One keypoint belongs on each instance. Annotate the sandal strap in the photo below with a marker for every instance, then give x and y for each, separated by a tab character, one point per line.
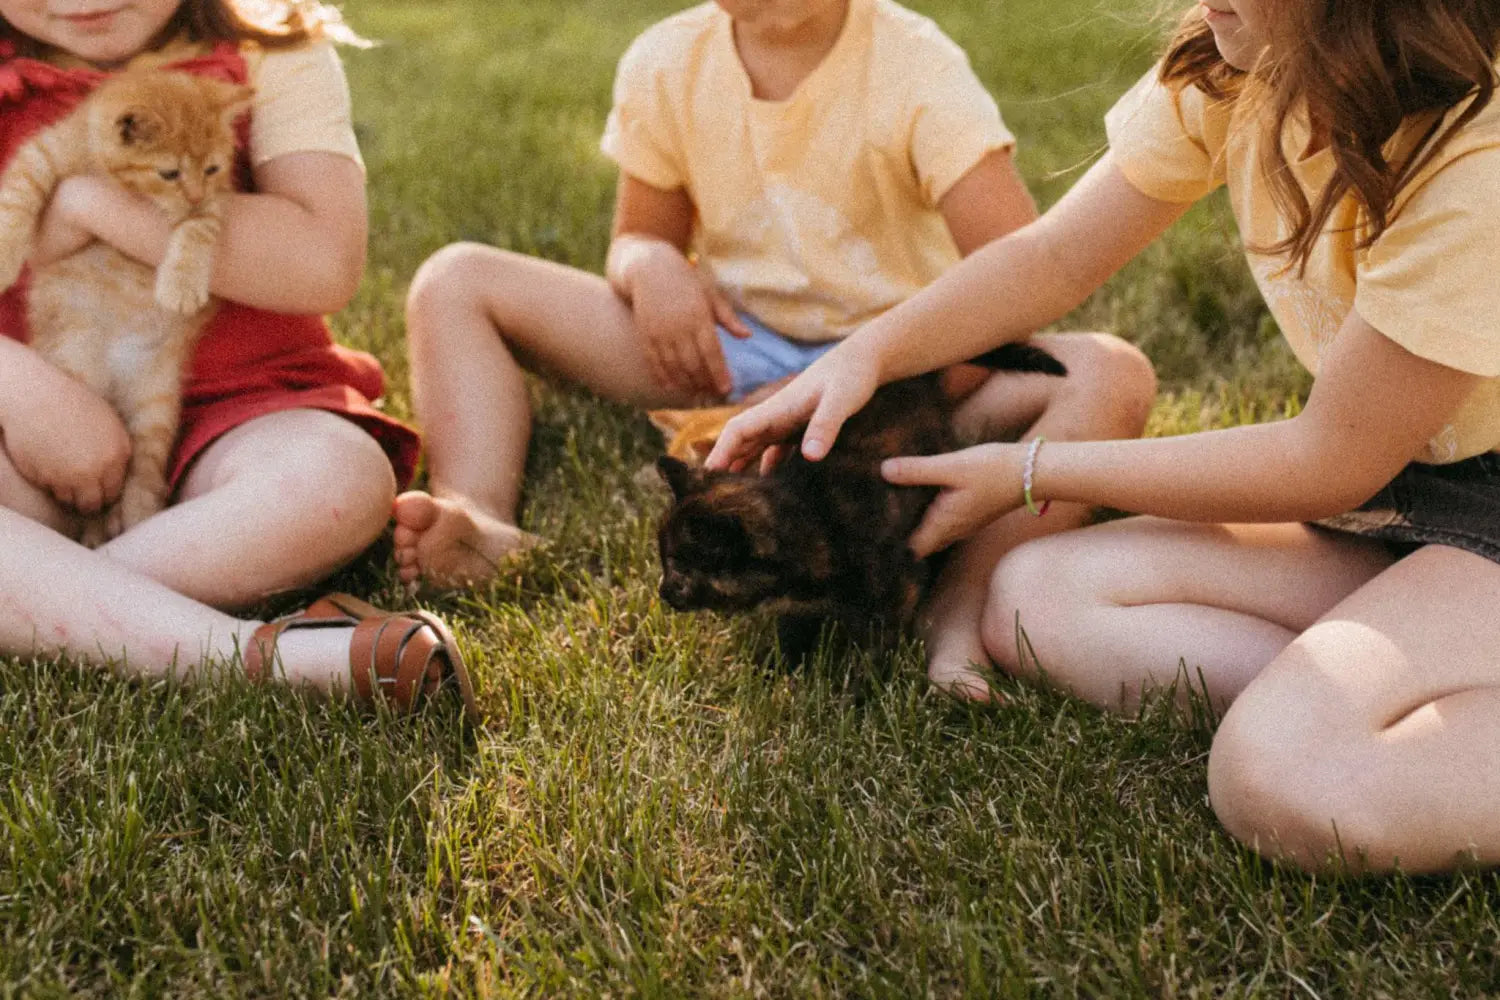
399	658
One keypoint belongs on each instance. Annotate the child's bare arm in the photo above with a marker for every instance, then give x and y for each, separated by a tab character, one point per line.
58	434
1009	287
297	245
675	309
987	202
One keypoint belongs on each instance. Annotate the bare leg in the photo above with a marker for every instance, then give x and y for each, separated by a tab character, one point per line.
1363	697
273	504
34	503
277	503
1375	735
58	597
1107	394
476	318
1115	609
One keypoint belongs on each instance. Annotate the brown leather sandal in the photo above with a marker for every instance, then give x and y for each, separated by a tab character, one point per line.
406	658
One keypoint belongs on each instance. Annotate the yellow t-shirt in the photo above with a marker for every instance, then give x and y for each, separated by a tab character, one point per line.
817	213
1428	283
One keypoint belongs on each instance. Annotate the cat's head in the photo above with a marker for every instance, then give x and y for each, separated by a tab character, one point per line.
167	135
724	541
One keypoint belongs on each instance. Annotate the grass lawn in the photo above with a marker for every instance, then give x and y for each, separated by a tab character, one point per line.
649	813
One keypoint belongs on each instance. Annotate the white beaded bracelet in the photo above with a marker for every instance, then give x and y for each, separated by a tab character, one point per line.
1028	473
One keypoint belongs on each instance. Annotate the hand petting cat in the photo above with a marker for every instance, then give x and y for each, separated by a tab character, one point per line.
978	485
821	398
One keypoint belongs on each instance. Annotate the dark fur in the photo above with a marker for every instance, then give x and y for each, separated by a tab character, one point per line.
819	541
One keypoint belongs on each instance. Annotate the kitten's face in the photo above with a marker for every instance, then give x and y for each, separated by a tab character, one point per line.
717	542
167	135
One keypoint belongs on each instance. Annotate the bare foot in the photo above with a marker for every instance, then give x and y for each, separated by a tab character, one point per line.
447	542
962	672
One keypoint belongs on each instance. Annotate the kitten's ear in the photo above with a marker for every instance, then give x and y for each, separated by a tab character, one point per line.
137	125
681	477
234	100
669	422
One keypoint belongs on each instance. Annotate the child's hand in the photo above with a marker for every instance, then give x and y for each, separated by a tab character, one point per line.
676	313
66	440
831	390
978	485
64	228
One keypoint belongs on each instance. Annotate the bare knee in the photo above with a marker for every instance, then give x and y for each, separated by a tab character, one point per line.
1023	609
332	484
457	277
345	486
1289	772
1113	379
30	501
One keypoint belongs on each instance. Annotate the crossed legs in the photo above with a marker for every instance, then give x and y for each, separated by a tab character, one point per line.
1363	697
275	504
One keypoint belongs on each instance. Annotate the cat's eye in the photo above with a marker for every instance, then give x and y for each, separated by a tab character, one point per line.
170	175
210	170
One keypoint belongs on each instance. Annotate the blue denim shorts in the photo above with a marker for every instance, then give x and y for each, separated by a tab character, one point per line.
1456	505
764	357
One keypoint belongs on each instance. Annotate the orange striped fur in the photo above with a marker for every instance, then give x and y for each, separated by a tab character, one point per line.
126	330
690	434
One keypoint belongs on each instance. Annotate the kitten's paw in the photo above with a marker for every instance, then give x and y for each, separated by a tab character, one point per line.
180	293
12	260
96	530
136	504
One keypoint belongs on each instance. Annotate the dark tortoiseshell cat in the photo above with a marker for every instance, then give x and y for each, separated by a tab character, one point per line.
819	541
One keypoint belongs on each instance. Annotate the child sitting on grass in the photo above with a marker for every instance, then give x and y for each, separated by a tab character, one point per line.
789	170
283	470
1332	579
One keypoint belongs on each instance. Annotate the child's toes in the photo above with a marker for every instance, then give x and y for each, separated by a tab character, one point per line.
415	512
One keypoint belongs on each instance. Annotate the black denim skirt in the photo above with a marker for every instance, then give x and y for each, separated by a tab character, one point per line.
1456	504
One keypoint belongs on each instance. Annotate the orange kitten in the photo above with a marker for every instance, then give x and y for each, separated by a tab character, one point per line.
690	434
113	323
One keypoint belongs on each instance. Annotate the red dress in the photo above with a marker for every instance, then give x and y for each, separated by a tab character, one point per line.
249	362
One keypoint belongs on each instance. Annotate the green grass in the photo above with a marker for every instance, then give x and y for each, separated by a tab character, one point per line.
649	813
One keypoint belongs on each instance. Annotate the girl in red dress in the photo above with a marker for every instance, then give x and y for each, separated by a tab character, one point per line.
284	469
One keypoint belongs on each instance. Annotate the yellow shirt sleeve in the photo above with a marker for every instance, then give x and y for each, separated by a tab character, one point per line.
955	121
1429	281
639	134
1167	142
301	104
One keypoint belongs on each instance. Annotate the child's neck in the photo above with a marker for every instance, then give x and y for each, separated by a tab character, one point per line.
777	59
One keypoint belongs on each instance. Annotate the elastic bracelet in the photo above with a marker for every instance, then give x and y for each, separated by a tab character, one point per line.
1028	473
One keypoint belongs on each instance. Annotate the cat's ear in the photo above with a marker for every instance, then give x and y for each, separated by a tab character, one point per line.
138	125
669	422
681	477
234	100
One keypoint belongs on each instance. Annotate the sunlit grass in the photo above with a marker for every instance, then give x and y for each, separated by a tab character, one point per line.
649	812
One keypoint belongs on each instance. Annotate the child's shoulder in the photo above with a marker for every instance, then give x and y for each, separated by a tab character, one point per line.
911	35
314	57
667	41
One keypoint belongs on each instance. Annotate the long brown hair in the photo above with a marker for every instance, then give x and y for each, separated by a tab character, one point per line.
1359	70
272	23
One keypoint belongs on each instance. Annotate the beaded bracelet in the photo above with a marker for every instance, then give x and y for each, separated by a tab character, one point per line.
1028	473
